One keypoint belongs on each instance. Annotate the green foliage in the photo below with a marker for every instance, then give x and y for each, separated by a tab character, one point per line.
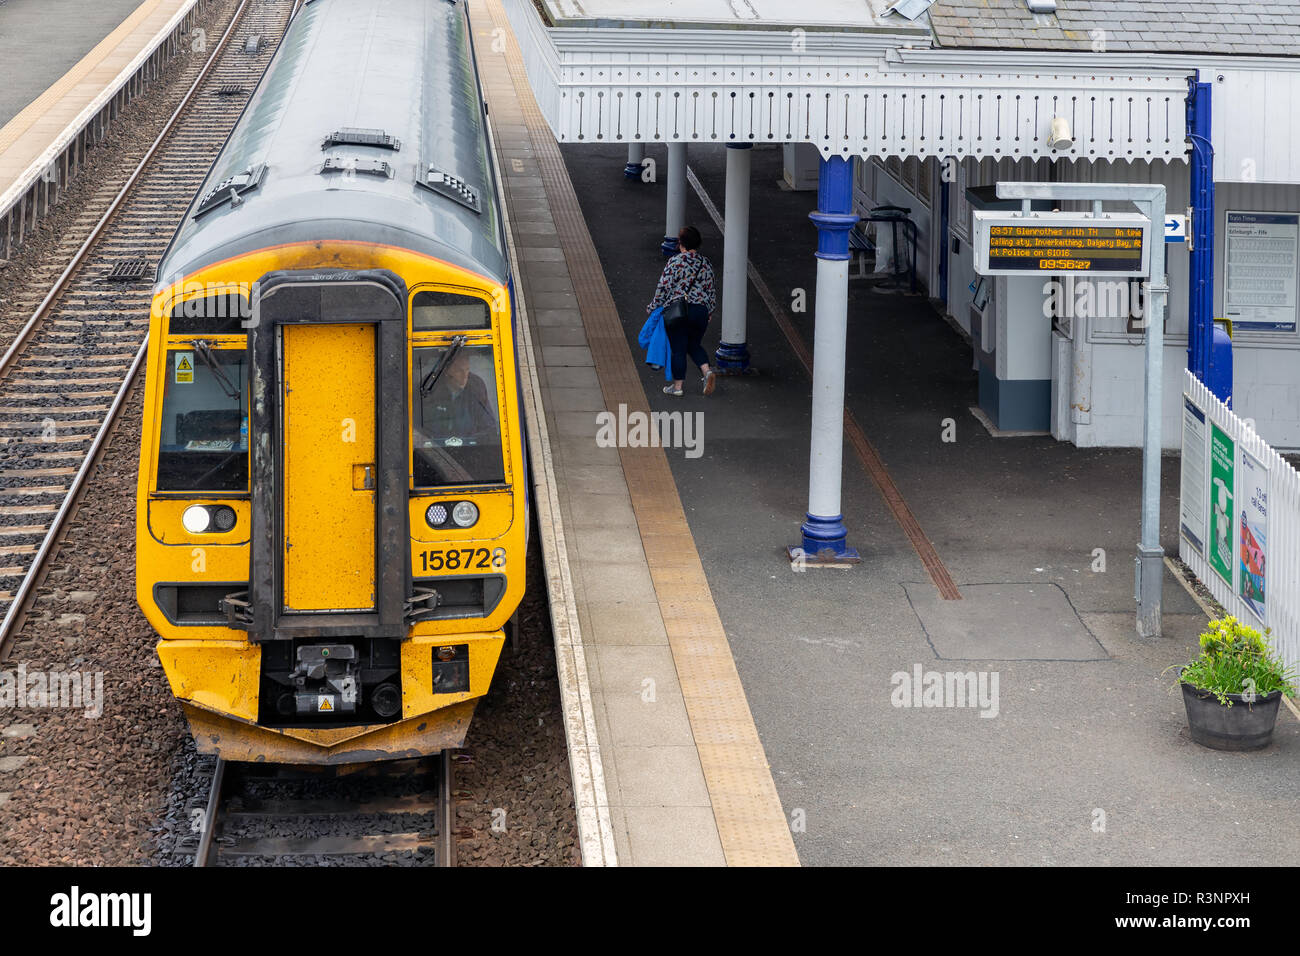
1235	659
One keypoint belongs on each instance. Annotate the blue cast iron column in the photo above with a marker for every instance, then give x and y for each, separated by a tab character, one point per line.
1200	285
823	532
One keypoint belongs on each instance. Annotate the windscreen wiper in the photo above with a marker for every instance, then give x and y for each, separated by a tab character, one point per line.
204	351
444	360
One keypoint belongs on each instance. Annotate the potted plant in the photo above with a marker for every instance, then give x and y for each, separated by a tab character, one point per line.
1232	690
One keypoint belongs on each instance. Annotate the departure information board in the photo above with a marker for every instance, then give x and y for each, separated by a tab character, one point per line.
1061	243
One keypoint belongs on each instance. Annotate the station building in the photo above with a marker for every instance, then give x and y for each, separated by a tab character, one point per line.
1081	375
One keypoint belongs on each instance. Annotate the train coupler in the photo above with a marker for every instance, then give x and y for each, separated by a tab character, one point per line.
325	681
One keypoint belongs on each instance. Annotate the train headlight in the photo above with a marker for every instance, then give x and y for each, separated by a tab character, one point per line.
196	519
465	513
436	514
223	517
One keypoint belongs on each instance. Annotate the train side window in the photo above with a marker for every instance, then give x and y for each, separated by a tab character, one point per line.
210	315
203	433
432	311
455	420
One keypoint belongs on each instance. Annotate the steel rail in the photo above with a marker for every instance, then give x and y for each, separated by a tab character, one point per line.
18	604
20	341
203	855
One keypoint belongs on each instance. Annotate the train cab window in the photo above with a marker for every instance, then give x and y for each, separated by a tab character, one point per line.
456	423
210	315
203	443
431	311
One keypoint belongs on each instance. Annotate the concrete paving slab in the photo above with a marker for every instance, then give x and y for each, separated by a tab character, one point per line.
540	253
572	376
605	514
532	227
567	318
625	622
1020	622
563	355
636	668
577	400
637	723
580	424
662	777
561	335
693	831
616	582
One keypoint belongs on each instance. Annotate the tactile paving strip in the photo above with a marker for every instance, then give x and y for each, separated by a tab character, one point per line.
751	823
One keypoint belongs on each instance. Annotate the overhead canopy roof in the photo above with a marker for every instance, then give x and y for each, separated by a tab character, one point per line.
869	86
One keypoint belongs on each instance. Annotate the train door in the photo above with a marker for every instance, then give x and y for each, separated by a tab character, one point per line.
328	491
330	456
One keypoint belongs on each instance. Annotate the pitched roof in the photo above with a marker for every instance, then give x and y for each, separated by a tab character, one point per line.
1146	26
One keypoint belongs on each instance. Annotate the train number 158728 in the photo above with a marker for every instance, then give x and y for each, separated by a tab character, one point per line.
463	559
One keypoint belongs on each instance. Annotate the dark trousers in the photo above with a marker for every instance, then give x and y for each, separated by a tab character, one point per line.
684	337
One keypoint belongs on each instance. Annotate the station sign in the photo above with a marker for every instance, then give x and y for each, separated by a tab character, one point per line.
1115	244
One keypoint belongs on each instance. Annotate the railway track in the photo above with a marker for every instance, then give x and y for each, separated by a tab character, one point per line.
389	812
67	372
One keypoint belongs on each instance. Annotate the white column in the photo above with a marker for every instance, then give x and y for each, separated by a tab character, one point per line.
823	534
829	335
635	154
733	354
676	211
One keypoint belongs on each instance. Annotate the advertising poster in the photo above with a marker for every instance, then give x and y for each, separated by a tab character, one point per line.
1253	533
1262	262
1222	453
1191	496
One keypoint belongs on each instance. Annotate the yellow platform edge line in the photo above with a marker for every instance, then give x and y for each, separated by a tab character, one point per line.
751	822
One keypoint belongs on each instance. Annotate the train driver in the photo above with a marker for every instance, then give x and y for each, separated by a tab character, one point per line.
459	406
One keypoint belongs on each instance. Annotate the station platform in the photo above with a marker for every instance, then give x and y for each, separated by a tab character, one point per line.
1006	559
1037	536
41	40
38	104
685	780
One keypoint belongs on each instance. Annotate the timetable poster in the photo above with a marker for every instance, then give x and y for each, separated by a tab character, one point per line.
1261	262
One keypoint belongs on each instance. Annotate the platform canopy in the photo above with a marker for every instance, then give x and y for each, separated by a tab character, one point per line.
847	76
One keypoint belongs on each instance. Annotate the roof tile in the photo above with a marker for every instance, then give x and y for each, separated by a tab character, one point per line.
1198	26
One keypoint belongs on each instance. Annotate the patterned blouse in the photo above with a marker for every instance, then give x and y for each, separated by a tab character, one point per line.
686	271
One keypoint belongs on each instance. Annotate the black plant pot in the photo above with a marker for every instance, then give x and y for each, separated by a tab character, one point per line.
1243	726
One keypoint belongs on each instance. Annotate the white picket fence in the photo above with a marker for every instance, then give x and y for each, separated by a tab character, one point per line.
1262	508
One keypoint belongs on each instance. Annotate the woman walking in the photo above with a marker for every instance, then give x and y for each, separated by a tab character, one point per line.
689	297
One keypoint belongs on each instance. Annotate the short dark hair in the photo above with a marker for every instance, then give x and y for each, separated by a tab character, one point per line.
689	237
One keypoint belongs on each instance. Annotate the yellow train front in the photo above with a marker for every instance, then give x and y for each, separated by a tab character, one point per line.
331	510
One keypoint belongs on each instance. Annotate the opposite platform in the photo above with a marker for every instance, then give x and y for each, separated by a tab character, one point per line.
43	129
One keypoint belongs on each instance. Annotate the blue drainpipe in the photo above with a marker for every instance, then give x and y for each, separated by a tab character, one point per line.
1200	291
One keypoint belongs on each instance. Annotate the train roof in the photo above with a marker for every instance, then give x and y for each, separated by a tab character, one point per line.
367	126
